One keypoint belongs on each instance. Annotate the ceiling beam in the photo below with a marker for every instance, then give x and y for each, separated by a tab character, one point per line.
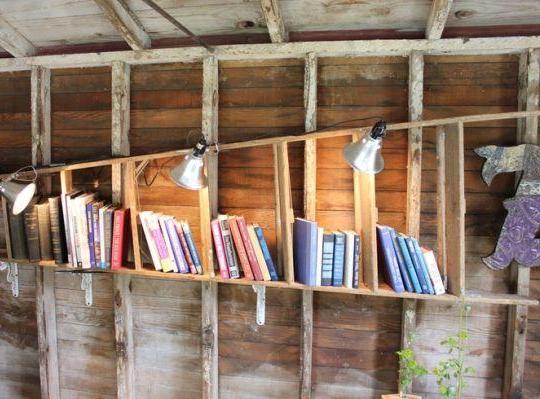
12	41
126	23
437	18
274	21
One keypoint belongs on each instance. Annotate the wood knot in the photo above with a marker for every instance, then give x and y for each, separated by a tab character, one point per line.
118	298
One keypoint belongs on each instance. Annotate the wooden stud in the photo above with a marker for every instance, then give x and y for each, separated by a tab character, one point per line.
41	115
441	204
437	18
126	23
209	317
274	21
284	178
455	208
307	344
408	322
13	41
120	103
368	211
130	202
279	239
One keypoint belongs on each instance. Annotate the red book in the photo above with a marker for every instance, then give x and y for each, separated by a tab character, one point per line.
185	248
240	249
252	258
119	241
220	249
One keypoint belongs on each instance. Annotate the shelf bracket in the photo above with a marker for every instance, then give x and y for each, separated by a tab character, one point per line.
86	285
12	276
260	290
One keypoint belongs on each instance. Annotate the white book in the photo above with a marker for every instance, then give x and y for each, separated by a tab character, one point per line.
82	229
318	272
149	239
65	217
102	246
348	272
71	226
433	271
161	219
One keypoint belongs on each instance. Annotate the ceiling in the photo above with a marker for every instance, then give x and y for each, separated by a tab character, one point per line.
64	26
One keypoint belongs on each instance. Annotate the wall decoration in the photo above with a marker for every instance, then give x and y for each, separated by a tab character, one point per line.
518	238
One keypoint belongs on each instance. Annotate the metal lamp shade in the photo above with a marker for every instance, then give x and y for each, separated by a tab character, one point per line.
190	173
365	155
19	195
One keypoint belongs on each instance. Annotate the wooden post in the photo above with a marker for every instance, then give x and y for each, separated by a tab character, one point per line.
274	21
441	203
208	202
129	187
368	218
284	187
123	332
437	18
310	212
527	133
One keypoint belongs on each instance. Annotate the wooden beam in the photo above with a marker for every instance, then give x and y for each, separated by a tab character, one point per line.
437	18
208	202
369	217
40	82
126	23
441	204
274	21
527	133
281	161
14	42
310	212
120	102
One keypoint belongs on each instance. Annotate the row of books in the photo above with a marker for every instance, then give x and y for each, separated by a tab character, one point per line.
406	265
323	258
170	243
242	246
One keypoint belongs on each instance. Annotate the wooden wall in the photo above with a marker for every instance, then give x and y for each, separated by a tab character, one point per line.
355	337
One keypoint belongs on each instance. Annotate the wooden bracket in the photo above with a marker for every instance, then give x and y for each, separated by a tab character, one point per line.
86	285
261	303
12	276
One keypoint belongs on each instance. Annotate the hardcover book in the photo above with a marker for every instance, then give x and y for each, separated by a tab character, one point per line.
16	232
192	247
97	233
164	233
143	216
90	227
119	239
258	253
266	253
44	226
176	246
109	222
318	273
387	259
159	240
434	272
357	260
327	259
240	248
32	232
220	250
417	267
185	247
349	259
401	262
305	251
339	259
409	263
230	253
423	266
58	241
250	251
65	218
81	239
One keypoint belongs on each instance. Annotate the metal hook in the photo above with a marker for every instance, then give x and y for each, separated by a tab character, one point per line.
86	285
260	290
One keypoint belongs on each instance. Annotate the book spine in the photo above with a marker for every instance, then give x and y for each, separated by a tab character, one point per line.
409	264
65	217
56	233
185	248
258	253
327	259
82	231
339	258
401	262
109	223
230	253
150	241
32	233
349	259
390	261
417	267
423	265
167	243
357	259
240	249
73	233
177	249
266	254
318	276
161	246
434	272
220	250
97	235
118	239
44	226
90	227
250	251
192	247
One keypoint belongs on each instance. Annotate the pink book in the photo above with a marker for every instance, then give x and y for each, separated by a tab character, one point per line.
220	250
252	258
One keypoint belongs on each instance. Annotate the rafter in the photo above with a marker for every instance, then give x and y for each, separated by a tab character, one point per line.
274	21
437	18
126	23
13	41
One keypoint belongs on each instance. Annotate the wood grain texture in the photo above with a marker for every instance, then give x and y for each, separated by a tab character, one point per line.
123	330
13	41
274	21
437	18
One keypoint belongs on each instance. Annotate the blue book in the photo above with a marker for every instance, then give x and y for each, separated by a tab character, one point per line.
420	256
90	224
417	266
178	254
305	251
409	263
401	262
356	260
327	263
266	253
339	259
192	248
387	258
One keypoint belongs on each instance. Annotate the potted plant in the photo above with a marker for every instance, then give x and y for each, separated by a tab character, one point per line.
451	372
408	370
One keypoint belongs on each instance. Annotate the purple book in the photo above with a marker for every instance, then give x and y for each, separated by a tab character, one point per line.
176	246
387	258
91	246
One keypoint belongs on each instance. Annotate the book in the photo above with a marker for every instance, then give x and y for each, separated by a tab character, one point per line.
266	253
176	246
250	251
65	218
90	228
433	270
81	229
339	259
401	262
240	248
70	224
258	253
185	247
305	233
119	238
348	270
417	267
97	233
166	238
387	259
220	249
423	265
318	273
192	247
409	264
327	259
32	232
230	253
108	234
357	260
154	254
44	226
159	240
58	240
19	249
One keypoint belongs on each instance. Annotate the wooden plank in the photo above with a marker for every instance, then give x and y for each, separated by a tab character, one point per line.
126	23
441	204
41	115
131	203
437	18
455	208
123	329
306	360
284	187
210	358
120	102
408	322
274	21
47	337
13	41
368	210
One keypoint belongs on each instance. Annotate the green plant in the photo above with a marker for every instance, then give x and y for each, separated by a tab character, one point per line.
451	372
408	368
